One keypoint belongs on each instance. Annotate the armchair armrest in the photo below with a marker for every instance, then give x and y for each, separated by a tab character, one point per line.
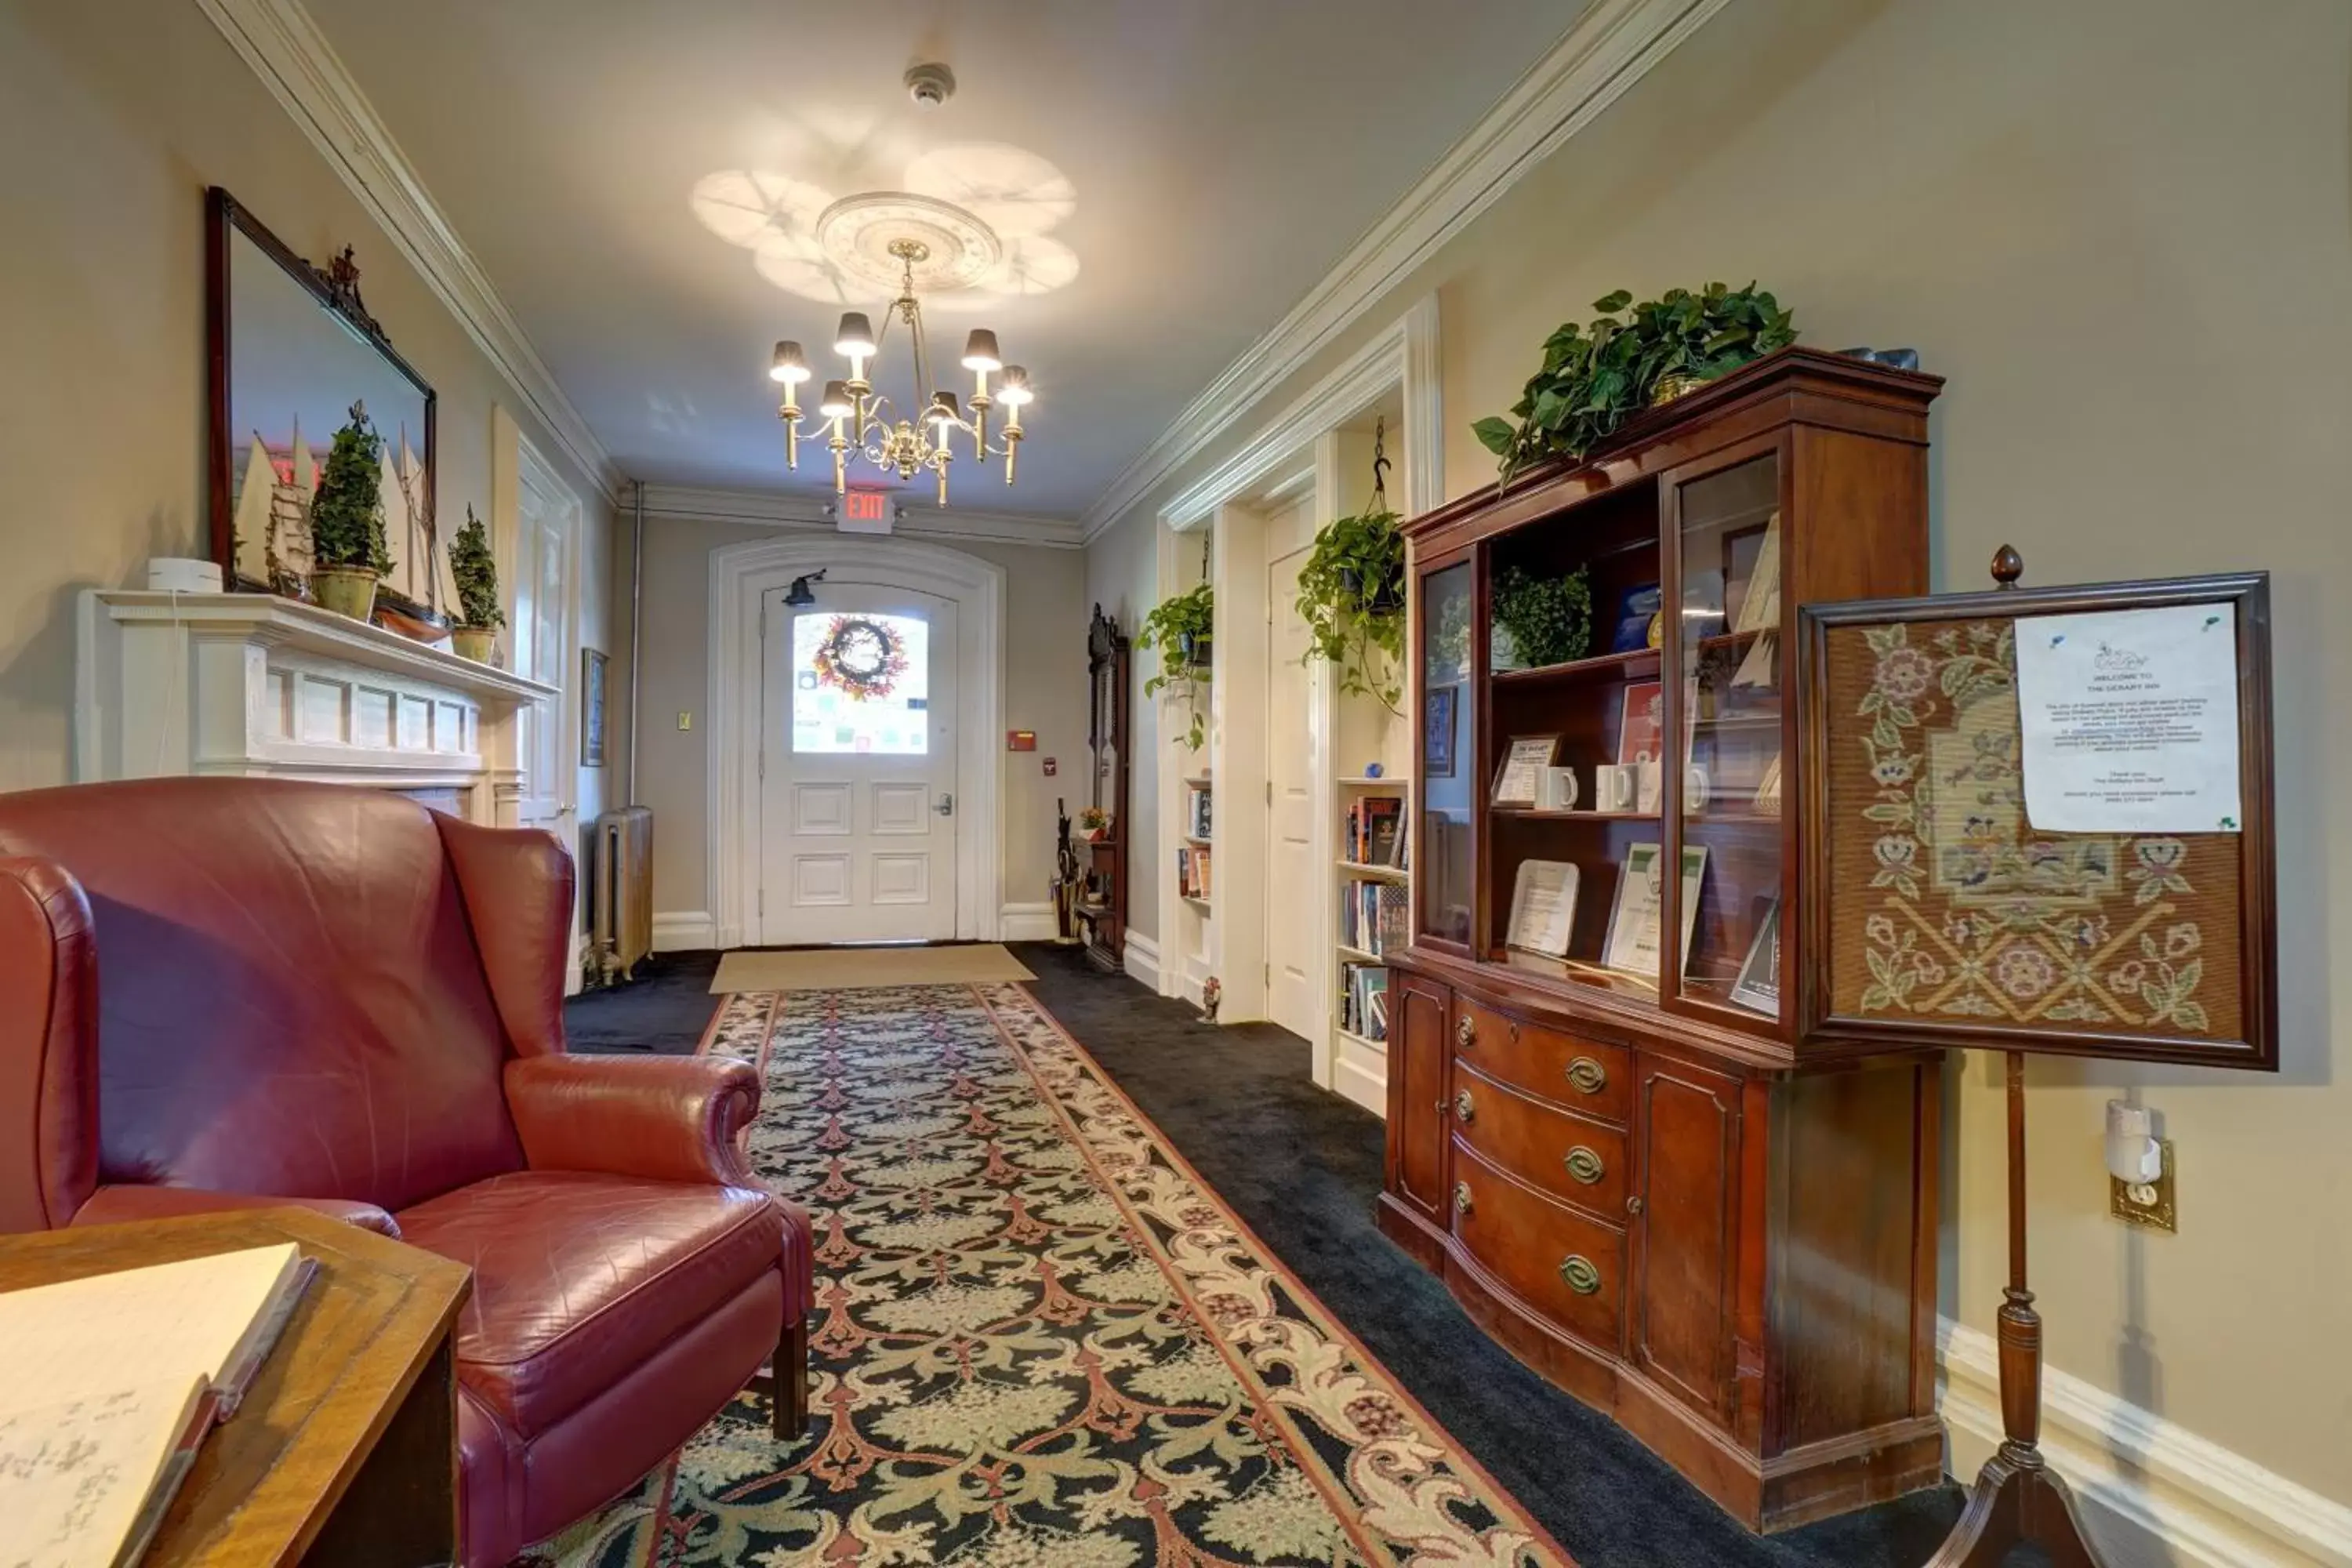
666	1119
121	1203
48	1045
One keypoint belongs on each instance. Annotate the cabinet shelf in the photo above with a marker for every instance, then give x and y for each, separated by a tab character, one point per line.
1380	873
1537	813
1640	662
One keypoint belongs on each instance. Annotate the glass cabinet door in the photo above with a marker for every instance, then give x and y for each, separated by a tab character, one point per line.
1734	666
1448	764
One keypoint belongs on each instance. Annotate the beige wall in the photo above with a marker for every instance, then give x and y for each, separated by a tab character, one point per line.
1045	690
2123	229
113	119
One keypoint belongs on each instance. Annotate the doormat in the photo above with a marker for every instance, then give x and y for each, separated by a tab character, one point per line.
866	968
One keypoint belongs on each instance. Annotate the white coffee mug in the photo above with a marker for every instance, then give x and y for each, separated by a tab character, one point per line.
1694	790
1612	788
1558	789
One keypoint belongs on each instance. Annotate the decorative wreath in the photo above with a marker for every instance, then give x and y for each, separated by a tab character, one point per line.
862	659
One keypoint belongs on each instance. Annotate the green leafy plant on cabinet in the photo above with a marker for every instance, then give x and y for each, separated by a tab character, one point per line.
1598	376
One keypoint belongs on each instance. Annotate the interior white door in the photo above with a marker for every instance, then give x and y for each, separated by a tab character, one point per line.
1294	883
857	809
546	644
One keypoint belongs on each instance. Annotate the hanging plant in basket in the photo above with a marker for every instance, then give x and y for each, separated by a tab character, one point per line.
860	657
1596	377
1179	631
1351	596
1351	592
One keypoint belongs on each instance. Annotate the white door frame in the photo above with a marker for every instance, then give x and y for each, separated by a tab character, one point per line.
740	575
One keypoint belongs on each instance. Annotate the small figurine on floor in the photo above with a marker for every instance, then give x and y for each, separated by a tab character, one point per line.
1212	991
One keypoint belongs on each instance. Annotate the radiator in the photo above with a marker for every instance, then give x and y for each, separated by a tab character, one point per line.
623	890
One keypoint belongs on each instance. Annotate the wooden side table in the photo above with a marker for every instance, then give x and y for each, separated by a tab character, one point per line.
345	1449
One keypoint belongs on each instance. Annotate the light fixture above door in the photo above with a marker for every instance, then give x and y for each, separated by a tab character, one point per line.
897	238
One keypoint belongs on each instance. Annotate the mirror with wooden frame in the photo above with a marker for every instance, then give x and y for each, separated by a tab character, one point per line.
293	348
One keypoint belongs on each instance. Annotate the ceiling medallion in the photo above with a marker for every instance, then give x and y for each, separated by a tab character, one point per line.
898	239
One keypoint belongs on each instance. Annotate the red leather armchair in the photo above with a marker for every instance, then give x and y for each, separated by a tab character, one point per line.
217	993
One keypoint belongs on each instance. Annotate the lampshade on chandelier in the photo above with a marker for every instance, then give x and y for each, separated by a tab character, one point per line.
900	239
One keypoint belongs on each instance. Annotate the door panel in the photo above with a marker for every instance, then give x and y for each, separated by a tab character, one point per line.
858	815
1687	1128
1295	884
1416	1087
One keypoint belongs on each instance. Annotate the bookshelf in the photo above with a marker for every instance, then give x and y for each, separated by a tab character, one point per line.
1372	917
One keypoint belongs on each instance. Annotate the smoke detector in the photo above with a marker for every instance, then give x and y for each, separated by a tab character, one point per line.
930	86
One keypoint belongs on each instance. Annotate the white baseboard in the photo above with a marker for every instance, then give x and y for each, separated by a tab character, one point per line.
1358	1082
684	930
2153	1494
1026	923
1141	958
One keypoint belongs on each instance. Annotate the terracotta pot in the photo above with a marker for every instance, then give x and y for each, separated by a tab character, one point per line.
346	590
477	643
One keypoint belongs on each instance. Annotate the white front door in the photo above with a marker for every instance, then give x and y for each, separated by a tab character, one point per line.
857	767
1294	883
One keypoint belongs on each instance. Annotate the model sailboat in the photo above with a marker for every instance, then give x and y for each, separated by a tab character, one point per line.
273	517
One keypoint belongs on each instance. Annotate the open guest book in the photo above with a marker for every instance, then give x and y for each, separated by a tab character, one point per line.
109	1384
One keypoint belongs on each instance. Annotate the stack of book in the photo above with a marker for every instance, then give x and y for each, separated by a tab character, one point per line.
1372	916
1193	870
1196	812
1374	834
1364	1000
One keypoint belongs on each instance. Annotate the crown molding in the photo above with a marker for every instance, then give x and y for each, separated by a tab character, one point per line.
777	509
292	57
1612	46
1403	357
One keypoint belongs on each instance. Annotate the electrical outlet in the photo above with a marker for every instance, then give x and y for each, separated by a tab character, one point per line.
685	720
2147	1205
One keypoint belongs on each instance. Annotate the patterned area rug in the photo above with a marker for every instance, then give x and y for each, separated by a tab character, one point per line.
1039	1341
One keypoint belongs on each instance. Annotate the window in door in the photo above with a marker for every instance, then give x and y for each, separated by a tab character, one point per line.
861	683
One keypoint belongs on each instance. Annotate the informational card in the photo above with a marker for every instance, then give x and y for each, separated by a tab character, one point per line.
1543	907
2130	720
1519	781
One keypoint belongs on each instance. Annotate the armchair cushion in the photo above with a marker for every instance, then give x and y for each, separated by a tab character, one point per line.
121	1203
665	1119
580	1278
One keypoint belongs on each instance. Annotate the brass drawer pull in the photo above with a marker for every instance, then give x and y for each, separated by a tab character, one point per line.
1634	1203
1576	1272
1463	1107
1588	1075
1584	1165
1465	1031
1461	1197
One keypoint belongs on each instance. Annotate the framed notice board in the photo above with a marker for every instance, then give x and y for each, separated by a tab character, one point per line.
1939	912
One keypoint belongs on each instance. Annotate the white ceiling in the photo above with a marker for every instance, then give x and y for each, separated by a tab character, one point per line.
1219	155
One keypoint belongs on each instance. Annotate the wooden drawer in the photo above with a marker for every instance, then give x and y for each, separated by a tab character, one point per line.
1569	1157
1584	1075
1567	1266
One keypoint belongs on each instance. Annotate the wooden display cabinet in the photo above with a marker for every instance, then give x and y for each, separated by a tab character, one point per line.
1629	1161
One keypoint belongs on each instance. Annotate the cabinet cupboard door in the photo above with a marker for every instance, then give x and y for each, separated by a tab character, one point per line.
1416	1093
1687	1133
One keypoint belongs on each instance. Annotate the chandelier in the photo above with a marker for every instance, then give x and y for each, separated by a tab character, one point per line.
925	243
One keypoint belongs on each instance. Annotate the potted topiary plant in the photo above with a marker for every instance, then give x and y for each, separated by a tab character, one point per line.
349	554
1094	822
1179	630
1596	377
477	574
1351	596
1546	620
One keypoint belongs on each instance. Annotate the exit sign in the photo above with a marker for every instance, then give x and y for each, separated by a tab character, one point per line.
866	511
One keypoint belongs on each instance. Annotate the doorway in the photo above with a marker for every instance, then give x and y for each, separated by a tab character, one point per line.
1294	883
857	766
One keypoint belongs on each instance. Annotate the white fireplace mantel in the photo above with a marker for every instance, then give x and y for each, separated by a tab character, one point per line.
249	685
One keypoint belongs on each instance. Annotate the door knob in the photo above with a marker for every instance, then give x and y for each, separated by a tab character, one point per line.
946	806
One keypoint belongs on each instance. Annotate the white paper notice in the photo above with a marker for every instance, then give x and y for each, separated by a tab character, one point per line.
2130	719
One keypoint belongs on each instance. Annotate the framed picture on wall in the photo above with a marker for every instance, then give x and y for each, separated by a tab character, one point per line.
1437	736
592	708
